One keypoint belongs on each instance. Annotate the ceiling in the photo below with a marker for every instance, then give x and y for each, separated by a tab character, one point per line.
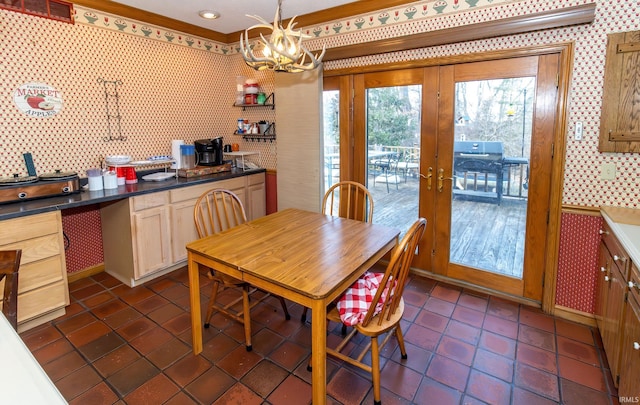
232	12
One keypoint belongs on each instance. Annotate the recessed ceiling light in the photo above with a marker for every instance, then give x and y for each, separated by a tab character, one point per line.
208	14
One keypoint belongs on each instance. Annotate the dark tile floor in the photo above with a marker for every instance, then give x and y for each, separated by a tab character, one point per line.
133	346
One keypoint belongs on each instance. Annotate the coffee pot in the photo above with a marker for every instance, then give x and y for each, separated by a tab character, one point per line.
209	151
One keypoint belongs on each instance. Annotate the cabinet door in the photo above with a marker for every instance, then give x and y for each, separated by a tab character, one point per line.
151	238
619	126
184	229
257	197
630	364
602	285
611	332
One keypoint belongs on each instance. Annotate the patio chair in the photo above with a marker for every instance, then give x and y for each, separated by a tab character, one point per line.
215	211
407	164
346	199
385	170
382	316
9	266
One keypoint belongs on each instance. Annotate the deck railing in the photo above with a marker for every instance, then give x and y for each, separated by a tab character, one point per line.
515	170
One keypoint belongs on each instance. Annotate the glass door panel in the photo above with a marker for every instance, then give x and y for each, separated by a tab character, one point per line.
393	153
492	141
331	139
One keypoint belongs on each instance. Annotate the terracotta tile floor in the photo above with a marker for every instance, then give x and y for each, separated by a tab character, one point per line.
133	346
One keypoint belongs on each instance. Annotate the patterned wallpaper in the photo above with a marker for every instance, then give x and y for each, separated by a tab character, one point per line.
167	92
578	262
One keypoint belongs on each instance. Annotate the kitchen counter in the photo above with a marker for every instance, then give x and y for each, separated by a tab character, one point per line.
625	223
85	197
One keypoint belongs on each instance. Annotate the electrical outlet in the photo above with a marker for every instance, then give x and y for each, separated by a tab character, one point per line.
578	131
608	171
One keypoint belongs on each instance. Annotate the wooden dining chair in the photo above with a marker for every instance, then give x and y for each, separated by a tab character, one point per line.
346	199
384	314
215	211
9	265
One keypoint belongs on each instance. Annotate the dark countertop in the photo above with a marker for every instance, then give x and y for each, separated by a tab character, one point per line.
85	197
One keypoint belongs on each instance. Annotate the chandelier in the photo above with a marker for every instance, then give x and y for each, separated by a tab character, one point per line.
283	52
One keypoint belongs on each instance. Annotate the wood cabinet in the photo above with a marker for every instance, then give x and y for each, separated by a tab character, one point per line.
42	279
619	122
151	233
612	295
630	350
256	196
144	236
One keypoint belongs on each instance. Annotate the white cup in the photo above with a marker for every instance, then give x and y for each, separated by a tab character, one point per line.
95	183
110	180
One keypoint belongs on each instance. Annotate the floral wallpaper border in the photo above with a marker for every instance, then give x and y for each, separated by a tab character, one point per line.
412	12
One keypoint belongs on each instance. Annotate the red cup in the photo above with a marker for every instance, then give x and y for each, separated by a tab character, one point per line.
130	175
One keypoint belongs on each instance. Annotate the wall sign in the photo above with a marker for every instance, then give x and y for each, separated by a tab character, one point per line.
38	100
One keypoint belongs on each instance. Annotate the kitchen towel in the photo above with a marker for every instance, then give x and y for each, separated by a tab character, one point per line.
175	153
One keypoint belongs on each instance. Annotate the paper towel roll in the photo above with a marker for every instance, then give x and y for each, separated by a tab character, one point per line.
175	153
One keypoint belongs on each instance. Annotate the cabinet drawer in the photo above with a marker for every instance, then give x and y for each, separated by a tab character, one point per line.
18	229
145	201
37	302
618	254
37	248
193	192
37	274
255	179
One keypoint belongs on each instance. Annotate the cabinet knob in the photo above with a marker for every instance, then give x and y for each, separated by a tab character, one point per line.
606	278
632	285
603	232
603	269
636	346
618	258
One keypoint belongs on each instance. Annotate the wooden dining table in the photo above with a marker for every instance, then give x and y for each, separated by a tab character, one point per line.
306	257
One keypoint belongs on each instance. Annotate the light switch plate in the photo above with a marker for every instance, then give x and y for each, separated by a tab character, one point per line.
578	131
608	171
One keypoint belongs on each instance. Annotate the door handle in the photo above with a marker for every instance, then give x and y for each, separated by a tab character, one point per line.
441	179
428	177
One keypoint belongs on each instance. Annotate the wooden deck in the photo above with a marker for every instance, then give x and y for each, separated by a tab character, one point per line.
484	235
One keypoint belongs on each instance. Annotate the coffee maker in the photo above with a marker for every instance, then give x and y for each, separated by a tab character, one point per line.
209	151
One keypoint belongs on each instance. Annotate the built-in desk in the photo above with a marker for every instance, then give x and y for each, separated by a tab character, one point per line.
35	226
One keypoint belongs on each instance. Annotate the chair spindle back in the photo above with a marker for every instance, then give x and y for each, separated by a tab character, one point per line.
348	199
218	210
395	275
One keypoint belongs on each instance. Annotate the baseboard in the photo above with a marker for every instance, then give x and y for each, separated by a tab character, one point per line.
570	314
88	272
473	287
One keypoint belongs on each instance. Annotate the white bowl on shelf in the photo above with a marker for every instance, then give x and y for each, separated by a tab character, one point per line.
115	160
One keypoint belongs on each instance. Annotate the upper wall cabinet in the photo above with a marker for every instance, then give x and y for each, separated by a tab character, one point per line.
620	119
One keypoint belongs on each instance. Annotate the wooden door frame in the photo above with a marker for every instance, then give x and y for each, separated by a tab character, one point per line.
566	56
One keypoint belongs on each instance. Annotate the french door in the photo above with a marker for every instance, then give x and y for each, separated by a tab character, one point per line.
483	141
492	172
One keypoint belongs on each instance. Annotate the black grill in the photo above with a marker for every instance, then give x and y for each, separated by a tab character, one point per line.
478	170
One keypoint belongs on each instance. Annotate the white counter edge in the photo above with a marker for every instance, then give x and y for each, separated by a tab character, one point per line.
628	235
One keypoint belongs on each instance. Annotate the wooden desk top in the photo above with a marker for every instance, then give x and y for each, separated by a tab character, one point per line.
305	252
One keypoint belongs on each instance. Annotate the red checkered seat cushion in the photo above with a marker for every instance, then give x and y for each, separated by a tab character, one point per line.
355	302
